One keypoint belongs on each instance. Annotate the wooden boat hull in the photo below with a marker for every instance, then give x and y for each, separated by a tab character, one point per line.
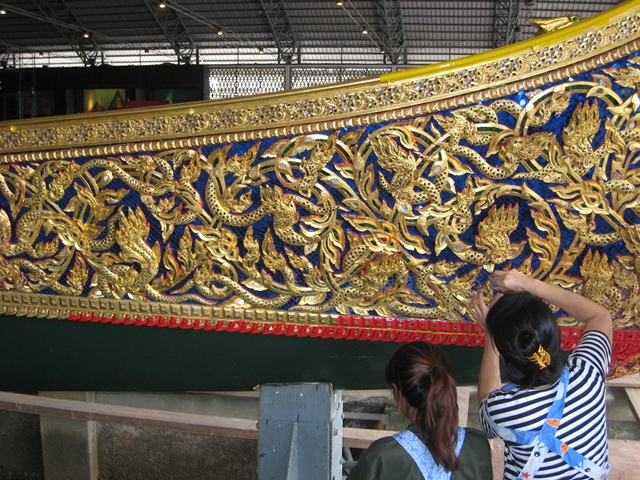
336	220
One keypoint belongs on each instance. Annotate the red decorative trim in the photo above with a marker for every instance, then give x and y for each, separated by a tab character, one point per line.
626	366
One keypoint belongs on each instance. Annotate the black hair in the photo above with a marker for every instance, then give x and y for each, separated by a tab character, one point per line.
422	374
520	323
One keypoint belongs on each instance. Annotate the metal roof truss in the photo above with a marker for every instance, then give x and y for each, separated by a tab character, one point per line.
390	17
174	29
58	13
288	49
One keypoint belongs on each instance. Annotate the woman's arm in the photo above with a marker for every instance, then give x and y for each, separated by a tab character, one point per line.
489	376
592	315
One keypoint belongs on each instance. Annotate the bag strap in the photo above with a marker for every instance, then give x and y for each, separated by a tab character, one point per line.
420	454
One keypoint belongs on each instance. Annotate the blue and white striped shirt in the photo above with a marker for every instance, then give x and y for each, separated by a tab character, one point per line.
583	425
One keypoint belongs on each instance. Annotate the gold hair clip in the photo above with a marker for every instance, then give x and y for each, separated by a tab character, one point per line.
541	357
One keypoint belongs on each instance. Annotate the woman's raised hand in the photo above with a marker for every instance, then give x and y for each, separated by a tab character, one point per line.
479	309
510	281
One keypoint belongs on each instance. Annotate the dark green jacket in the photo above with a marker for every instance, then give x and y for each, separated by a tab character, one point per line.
385	459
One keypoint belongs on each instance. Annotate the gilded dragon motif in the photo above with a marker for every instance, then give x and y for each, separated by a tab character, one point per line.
404	218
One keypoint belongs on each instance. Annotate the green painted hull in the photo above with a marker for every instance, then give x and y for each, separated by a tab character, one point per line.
42	354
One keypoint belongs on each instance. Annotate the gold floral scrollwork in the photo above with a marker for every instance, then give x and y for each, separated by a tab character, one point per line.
403	218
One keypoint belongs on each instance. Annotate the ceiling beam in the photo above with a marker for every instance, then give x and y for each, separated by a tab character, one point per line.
506	29
393	39
288	49
5	56
174	30
58	13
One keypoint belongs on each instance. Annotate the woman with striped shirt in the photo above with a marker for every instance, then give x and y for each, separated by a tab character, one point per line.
552	417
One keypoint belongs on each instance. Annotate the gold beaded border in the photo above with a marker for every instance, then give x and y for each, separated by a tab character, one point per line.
561	71
62	307
433	106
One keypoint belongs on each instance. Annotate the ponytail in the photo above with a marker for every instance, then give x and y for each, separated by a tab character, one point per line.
422	374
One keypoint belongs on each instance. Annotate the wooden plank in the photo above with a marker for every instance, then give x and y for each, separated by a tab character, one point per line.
633	398
139	417
379	417
362	437
143	417
628	381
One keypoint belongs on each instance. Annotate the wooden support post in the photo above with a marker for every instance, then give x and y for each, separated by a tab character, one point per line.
631	386
463	406
69	446
633	398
